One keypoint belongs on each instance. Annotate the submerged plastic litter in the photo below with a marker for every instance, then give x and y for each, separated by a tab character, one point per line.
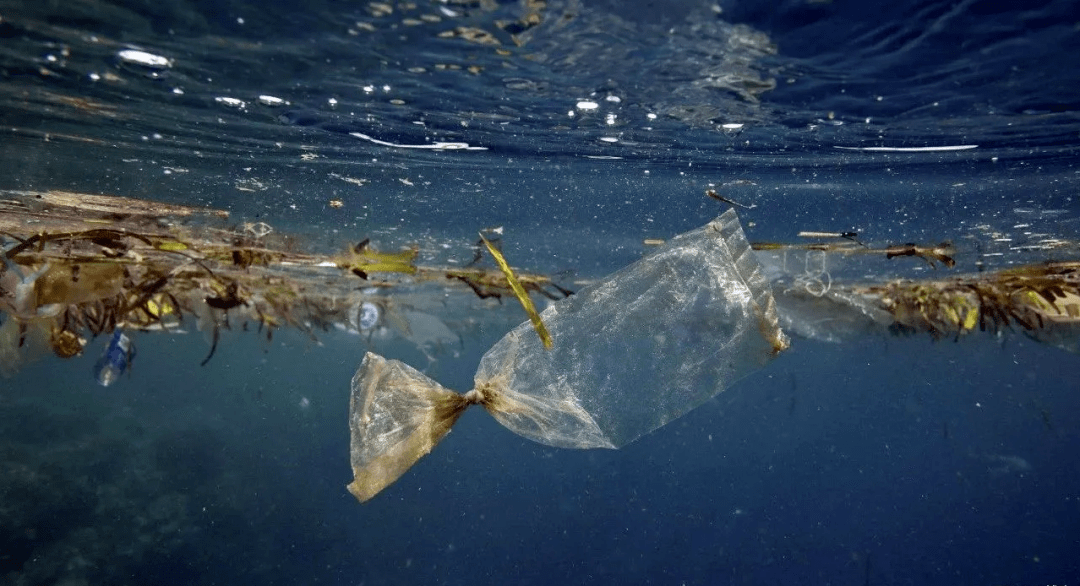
116	359
629	354
367	316
78	265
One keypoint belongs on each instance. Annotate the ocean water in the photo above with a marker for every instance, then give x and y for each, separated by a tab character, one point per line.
581	129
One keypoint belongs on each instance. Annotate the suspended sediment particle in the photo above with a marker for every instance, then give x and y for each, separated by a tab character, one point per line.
471	34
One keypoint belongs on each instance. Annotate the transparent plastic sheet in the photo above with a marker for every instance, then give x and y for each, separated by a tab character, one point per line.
631	353
834	316
396	415
813	305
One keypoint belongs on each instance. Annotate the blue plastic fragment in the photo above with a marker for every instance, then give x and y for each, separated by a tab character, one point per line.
116	360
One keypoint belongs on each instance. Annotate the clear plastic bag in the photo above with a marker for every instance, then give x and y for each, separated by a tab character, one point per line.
631	353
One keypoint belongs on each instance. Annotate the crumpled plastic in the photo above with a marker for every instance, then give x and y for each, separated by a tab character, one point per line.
631	353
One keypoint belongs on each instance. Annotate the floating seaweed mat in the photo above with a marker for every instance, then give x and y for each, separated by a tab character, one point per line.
1041	301
630	353
78	264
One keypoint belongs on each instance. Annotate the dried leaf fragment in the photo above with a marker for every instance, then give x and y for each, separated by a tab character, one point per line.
522	296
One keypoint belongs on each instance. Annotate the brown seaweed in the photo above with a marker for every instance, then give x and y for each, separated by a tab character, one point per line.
142	270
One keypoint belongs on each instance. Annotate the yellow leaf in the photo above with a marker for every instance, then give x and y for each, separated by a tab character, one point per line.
158	306
171	245
971	319
950	313
373	261
522	296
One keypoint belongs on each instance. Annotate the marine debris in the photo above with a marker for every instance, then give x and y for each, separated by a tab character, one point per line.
83	265
633	352
76	266
1029	299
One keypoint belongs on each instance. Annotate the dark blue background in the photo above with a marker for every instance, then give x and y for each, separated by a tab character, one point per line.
882	460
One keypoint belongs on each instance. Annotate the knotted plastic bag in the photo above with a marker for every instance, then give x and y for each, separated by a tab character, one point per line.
634	351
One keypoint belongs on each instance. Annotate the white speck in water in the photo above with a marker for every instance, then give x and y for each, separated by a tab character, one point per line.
271	101
144	58
585	105
234	102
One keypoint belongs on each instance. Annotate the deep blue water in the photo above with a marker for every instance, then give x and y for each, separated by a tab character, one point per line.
880	460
